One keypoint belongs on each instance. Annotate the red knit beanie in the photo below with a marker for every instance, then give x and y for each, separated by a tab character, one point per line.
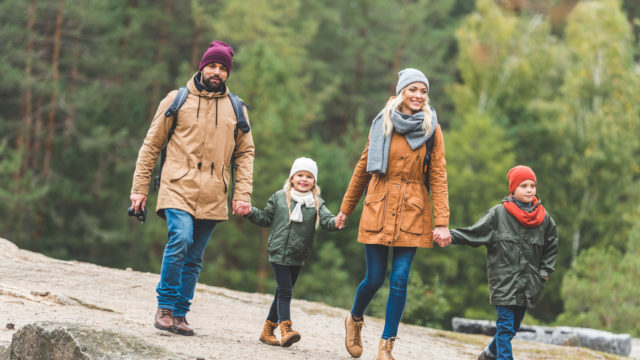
519	174
218	52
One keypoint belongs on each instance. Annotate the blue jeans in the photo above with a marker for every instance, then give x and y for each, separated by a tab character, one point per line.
508	323
182	260
377	256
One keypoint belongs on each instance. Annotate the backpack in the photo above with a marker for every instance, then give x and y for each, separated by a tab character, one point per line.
177	103
426	165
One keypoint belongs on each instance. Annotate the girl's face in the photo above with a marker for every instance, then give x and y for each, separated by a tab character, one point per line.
415	95
526	191
303	181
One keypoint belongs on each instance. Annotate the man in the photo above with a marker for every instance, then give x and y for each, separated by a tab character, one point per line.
195	179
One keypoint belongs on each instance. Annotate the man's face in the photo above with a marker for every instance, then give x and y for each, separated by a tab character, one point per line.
214	75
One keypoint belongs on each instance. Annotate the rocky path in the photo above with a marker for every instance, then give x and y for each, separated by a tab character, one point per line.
35	288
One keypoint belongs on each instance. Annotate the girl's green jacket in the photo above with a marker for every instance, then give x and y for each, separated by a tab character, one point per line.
290	243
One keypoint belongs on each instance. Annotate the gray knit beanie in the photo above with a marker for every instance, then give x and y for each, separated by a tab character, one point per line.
409	76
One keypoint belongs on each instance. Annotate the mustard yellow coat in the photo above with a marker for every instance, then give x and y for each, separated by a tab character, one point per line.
397	208
195	176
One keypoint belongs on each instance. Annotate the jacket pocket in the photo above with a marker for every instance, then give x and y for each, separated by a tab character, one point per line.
175	171
373	212
412	211
508	251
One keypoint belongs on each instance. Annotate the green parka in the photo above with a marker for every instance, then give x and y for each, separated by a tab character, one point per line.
290	242
519	259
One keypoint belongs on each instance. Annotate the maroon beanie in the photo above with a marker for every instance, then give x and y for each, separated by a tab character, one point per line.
218	52
519	174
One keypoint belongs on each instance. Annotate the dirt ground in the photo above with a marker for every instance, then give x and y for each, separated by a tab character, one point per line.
35	288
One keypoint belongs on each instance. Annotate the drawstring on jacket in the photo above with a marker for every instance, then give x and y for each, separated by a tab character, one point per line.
198	113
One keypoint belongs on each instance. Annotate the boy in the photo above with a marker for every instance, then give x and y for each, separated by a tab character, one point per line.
522	244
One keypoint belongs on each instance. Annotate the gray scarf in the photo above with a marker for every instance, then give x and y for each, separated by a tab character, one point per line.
408	125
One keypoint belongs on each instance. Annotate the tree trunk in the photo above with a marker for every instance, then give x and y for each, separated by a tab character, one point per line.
24	139
70	120
55	62
162	43
576	244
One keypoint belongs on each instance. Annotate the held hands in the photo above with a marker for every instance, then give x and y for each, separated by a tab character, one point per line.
241	208
442	236
341	220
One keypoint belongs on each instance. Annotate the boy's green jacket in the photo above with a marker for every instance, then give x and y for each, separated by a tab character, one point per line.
289	242
519	259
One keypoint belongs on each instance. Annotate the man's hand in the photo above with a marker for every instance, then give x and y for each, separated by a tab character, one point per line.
138	202
341	220
241	208
442	236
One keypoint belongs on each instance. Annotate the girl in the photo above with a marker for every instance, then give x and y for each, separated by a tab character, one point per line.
397	214
294	214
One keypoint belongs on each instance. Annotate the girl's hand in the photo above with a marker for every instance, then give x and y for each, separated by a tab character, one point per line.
442	236
341	220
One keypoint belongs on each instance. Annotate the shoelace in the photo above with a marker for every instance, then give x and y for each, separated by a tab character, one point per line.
358	328
165	312
287	327
180	319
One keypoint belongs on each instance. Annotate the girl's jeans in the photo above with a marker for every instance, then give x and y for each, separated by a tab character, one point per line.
182	260
508	323
286	277
377	256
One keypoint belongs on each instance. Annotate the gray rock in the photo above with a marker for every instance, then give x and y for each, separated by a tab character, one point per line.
619	344
55	341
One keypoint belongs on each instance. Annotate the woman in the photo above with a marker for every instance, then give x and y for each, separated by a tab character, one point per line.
397	208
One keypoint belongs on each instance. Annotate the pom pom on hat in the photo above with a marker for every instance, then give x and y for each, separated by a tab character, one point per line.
218	52
409	76
304	164
518	174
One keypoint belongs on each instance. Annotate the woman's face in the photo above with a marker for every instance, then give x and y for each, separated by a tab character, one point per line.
303	181
415	95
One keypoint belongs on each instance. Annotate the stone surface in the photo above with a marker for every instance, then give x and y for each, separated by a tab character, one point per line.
619	344
52	341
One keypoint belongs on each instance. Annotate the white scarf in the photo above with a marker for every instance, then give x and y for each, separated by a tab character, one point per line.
300	198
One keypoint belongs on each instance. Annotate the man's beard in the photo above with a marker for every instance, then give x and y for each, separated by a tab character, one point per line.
214	83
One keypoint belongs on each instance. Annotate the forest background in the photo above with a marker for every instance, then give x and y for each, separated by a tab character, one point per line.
554	84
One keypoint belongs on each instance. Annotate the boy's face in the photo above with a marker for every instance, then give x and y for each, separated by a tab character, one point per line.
526	191
303	181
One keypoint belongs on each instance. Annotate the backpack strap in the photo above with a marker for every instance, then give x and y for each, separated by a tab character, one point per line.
237	104
177	103
426	165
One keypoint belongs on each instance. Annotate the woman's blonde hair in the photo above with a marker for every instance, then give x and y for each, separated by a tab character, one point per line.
288	185
394	104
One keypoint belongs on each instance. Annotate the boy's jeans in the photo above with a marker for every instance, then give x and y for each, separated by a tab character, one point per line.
182	259
508	323
398	281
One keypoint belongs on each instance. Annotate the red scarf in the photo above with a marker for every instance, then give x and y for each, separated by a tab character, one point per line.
528	219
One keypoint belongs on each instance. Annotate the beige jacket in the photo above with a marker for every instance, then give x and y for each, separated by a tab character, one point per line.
195	176
397	207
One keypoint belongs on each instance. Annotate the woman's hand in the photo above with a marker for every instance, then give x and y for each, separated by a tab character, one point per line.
341	220
442	236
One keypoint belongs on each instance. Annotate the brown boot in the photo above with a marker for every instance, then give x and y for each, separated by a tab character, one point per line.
353	339
164	319
181	326
267	336
384	349
287	336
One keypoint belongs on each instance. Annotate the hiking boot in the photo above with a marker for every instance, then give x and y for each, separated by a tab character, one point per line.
181	326
164	319
287	336
267	336
353	339
486	356
384	349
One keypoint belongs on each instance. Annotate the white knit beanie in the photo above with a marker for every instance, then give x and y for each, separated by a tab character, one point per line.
409	76
304	164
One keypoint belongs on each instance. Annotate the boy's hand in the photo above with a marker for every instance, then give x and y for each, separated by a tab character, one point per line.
341	220
241	208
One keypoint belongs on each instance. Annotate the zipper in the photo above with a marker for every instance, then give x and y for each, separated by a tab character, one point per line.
223	180
216	112
212	168
286	244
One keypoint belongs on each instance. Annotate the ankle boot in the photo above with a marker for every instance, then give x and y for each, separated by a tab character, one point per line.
287	336
181	326
267	336
384	349
353	339
164	319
